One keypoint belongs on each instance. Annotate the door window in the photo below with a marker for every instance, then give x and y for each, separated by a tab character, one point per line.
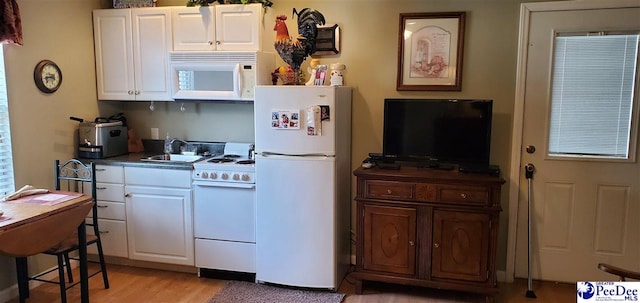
593	96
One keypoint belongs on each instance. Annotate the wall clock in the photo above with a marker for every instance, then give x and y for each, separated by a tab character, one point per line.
47	76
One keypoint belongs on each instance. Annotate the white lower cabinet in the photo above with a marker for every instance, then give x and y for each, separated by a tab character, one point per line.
159	215
112	219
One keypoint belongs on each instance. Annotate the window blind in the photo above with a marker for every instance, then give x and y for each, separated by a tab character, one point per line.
592	95
6	160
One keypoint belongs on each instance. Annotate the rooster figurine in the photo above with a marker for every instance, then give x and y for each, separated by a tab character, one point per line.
294	52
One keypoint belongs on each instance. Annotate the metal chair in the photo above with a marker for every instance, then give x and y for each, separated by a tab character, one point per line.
623	274
75	176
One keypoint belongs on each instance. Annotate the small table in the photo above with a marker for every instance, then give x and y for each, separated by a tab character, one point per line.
28	229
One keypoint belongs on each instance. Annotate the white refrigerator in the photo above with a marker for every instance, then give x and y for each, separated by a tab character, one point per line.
303	185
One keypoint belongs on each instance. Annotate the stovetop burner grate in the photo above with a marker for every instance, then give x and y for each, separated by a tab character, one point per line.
221	160
246	162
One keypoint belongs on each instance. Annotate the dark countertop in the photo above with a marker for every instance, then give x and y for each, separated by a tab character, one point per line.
134	159
156	147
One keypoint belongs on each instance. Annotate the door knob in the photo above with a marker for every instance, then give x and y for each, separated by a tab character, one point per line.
530	149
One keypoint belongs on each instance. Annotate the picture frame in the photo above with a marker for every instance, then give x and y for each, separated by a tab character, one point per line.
328	40
430	51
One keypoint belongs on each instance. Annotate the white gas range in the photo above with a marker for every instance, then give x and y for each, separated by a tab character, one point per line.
225	210
234	166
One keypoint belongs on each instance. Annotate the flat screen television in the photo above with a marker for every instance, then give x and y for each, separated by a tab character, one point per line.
437	131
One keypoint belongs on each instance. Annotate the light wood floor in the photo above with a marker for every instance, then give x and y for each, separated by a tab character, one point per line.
134	284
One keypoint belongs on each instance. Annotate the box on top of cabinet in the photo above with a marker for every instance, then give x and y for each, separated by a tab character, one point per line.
133	3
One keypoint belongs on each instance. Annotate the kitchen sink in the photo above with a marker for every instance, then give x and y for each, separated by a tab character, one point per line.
178	158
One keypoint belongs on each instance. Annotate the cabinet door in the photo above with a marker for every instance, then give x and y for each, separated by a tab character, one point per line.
114	55
159	224
238	27
193	28
460	245
389	238
151	45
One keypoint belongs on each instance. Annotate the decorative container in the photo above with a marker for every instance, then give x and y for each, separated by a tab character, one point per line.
295	77
133	3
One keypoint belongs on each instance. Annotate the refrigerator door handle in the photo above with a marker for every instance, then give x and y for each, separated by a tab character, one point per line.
271	154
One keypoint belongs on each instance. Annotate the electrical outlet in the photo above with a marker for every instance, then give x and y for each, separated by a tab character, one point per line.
155	133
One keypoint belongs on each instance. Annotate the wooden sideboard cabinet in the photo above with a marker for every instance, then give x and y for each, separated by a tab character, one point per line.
425	227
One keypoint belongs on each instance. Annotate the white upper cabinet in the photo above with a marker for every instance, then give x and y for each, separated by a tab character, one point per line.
231	27
132	48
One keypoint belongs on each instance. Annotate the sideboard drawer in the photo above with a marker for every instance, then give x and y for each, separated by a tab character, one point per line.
464	194
389	190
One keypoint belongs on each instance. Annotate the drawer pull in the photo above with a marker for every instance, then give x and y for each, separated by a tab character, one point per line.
104	231
102	206
463	196
101	188
436	245
101	169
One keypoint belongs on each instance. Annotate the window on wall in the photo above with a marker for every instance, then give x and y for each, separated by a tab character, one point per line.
6	160
593	97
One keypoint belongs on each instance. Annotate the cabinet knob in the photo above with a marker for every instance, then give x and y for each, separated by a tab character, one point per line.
128	195
436	245
218	42
137	92
210	42
388	191
411	243
130	92
463	196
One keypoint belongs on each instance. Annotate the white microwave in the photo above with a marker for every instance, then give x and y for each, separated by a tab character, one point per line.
219	76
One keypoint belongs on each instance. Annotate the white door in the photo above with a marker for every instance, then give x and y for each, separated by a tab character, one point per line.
585	200
151	45
296	219
159	225
273	103
238	27
193	28
114	55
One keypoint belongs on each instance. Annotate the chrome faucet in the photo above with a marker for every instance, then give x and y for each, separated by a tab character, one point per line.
179	140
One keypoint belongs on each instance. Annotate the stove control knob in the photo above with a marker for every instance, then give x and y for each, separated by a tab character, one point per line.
236	177
225	176
246	177
204	174
213	175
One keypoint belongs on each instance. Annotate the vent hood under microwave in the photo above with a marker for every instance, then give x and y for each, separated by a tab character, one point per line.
219	76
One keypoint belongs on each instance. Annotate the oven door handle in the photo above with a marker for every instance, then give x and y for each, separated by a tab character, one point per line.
224	184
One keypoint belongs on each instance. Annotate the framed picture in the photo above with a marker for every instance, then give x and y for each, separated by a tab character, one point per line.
430	48
328	40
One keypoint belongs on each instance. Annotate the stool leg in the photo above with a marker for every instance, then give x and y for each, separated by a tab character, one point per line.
67	262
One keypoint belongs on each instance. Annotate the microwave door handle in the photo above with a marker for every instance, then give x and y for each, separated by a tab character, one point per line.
236	84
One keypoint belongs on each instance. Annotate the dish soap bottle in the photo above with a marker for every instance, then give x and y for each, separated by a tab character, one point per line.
167	145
